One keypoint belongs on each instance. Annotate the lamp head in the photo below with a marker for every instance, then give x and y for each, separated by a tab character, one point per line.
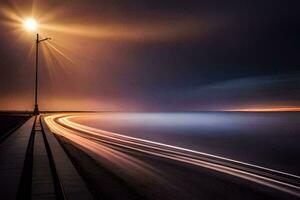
30	25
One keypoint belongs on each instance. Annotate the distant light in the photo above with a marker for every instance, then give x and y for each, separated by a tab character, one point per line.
30	24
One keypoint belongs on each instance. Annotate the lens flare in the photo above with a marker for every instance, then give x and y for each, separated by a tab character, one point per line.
30	24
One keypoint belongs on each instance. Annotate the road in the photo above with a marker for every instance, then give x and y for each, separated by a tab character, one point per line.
158	171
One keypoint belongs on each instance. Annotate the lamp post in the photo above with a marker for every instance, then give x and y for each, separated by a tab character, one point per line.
38	41
31	25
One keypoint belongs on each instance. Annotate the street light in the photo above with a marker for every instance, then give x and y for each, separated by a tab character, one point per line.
31	25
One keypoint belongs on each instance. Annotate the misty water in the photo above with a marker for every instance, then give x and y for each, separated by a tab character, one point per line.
267	139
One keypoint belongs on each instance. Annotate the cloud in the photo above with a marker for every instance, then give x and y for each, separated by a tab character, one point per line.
155	32
279	90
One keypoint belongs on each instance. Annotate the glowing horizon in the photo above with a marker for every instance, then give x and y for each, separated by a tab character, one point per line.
267	109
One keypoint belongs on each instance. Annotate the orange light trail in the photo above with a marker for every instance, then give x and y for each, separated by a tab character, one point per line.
94	140
267	109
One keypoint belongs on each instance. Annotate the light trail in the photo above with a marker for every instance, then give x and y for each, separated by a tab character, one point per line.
95	141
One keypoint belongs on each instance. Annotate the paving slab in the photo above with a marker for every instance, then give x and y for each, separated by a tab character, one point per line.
12	156
42	180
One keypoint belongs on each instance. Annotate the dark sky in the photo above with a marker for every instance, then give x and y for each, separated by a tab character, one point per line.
143	55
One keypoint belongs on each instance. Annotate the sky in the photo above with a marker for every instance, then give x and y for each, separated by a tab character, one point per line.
142	55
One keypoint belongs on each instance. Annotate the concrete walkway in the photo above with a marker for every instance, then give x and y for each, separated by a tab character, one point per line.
42	181
12	156
33	165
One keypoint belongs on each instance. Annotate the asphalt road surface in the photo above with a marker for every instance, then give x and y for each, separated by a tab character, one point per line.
134	168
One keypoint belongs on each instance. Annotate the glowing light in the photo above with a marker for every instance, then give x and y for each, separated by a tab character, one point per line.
30	24
267	109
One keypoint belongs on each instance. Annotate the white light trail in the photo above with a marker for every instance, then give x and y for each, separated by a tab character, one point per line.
94	139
